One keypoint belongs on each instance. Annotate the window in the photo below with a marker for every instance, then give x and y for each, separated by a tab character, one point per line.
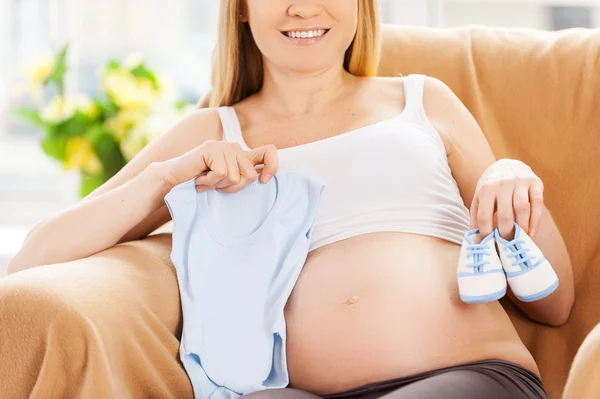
532	14
535	14
175	36
411	12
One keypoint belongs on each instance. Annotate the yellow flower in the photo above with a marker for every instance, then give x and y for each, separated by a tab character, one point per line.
37	71
82	103
80	154
124	121
61	108
56	110
127	90
40	68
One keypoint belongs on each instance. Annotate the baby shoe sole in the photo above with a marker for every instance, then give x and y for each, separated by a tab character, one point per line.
540	295
472	300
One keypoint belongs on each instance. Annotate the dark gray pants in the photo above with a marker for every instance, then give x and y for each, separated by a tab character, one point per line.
488	379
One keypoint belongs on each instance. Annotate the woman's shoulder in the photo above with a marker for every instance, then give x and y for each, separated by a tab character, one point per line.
209	117
438	98
197	126
444	109
434	86
435	92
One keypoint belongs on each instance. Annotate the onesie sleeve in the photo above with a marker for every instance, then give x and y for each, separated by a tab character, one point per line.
181	202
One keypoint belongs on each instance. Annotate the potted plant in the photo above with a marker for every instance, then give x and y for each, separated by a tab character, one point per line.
97	135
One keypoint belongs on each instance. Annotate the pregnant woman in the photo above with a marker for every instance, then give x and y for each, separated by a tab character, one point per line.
376	310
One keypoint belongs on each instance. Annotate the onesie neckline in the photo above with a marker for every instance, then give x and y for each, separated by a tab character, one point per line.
208	220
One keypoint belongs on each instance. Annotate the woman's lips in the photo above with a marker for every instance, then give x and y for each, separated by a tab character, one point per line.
305	40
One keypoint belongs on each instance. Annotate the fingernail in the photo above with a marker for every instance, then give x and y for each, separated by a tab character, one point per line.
266	178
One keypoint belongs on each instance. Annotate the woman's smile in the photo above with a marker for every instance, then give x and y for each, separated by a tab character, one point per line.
306	36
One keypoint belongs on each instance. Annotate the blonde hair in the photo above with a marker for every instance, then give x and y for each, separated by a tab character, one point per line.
237	65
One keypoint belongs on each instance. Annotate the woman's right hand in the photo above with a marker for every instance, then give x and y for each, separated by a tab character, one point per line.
221	165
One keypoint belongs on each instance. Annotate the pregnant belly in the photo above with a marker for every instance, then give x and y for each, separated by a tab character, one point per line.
383	306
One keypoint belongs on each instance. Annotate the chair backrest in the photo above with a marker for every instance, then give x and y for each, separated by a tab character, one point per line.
536	95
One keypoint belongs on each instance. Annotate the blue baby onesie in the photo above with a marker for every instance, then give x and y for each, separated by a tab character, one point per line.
238	257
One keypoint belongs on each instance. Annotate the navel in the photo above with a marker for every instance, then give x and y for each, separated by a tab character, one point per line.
351	301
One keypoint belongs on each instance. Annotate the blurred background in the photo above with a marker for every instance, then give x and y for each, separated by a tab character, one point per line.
161	50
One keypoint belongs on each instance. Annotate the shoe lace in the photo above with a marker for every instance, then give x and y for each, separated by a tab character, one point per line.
519	253
479	253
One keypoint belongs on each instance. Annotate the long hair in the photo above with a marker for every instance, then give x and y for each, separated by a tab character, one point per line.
237	70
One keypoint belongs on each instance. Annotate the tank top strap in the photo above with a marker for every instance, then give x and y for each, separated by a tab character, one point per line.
413	94
232	131
414	109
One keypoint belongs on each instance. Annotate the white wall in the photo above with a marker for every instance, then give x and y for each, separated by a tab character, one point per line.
170	34
511	15
4	43
596	17
535	14
412	12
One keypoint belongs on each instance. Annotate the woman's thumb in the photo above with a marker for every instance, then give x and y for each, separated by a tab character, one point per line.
267	156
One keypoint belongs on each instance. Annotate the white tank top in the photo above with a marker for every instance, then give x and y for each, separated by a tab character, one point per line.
391	176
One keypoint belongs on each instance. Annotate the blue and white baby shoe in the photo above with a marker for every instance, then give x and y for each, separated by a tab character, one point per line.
480	274
530	275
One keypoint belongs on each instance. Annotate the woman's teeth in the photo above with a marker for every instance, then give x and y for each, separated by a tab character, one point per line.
306	34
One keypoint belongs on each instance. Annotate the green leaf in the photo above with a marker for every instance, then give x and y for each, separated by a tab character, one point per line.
60	69
77	125
107	149
141	71
29	115
55	147
113	64
180	105
107	107
90	182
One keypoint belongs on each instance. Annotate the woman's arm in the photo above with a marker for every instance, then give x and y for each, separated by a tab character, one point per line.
129	206
182	138
469	156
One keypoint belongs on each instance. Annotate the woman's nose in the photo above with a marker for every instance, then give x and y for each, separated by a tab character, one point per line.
305	9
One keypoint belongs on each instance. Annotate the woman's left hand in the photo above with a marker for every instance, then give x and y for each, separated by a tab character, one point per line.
510	188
